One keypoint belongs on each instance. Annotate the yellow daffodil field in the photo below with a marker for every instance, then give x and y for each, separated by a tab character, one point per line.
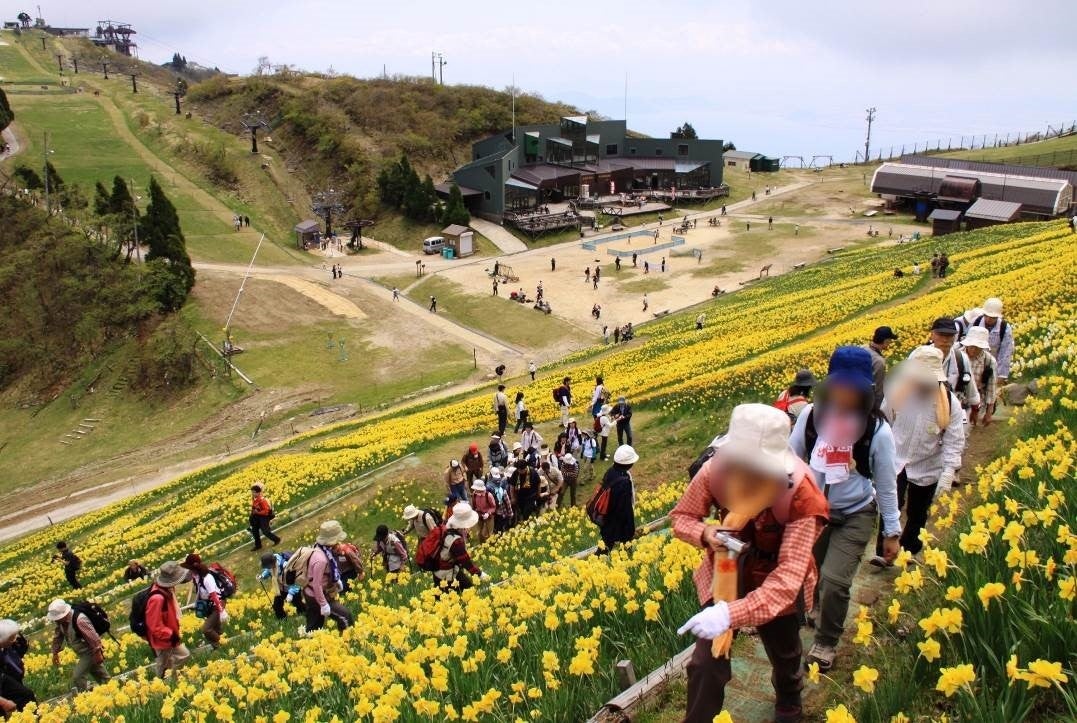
983	630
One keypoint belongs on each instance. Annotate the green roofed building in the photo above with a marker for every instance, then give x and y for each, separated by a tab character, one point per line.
531	165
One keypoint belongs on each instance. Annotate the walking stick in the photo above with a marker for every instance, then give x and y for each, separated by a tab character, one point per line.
268	596
725	585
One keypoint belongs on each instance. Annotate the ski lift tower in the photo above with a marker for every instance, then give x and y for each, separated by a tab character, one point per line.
254	122
324	204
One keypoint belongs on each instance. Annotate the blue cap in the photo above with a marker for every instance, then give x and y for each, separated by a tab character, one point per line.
851	365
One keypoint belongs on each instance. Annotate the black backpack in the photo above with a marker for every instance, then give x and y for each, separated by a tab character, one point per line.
861	450
94	613
137	618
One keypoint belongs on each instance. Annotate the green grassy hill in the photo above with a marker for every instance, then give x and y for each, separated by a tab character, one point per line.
1054	153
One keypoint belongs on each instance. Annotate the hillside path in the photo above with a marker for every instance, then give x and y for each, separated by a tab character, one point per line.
12	143
501	238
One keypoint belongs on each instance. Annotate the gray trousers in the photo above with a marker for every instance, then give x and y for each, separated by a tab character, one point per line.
85	666
838	553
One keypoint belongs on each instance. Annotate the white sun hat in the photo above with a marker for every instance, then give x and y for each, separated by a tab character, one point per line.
758	438
58	610
463	517
625	454
993	307
978	337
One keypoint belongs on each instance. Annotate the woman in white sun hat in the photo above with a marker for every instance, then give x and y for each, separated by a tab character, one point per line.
984	370
999	336
929	438
753	474
455	566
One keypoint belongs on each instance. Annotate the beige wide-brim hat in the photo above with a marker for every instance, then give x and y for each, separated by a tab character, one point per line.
979	337
973	314
625	454
171	575
924	365
463	517
58	610
478	486
993	307
758	439
411	512
331	533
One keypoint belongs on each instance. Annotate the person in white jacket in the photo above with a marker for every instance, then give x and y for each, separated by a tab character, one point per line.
929	436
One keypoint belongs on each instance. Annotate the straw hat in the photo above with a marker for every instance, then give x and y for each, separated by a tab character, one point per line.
993	307
331	533
171	574
625	454
463	517
411	512
758	438
978	336
925	365
58	610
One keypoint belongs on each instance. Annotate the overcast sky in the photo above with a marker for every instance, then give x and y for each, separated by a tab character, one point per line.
784	77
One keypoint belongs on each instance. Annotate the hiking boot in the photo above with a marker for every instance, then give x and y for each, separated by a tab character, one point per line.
788	714
823	656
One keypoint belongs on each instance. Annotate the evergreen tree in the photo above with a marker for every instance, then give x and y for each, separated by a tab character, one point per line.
56	183
102	200
6	114
685	131
455	211
171	265
121	201
29	178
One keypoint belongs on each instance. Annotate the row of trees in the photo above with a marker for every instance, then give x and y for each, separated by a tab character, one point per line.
400	187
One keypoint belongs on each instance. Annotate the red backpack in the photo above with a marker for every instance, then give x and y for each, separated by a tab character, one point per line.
786	400
599	505
225	579
428	553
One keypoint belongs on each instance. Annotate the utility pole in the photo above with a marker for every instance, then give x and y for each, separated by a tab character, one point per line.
867	141
48	199
134	82
433	62
252	122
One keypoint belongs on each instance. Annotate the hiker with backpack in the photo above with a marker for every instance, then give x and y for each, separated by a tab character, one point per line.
484	503
74	629
521	412
388	544
525	490
764	496
562	397
444	551
955	362
588	455
473	463
497	453
71	562
273	566
530	439
261	515
622	415
350	564
554	483
603	426
317	573
599	396
880	343
504	514
155	616
613	506
570	471
456	481
985	374
573	437
210	586
14	695
797	395
999	336
421	520
929	436
134	571
850	450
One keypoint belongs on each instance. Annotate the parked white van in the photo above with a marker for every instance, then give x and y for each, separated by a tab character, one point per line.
433	245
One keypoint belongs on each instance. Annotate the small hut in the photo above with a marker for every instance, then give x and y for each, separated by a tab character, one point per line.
307	234
991	213
460	239
944	221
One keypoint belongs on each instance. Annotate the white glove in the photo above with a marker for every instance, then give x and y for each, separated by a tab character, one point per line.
325	610
946	480
708	623
224	616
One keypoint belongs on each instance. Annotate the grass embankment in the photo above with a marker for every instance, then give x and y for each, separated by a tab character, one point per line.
1052	152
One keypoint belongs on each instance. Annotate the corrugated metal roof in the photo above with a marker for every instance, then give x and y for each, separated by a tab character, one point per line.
1004	168
993	210
741	155
307	226
944	214
1048	196
687	166
454	230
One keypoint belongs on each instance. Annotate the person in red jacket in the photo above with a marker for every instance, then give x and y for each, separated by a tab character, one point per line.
752	469
261	515
162	619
